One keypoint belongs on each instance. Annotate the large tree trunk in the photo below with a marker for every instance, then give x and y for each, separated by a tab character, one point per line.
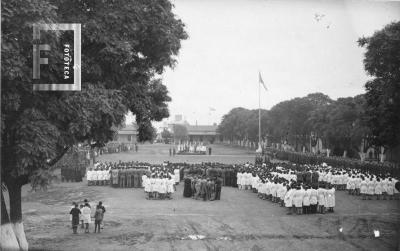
14	190
8	241
363	156
382	154
328	152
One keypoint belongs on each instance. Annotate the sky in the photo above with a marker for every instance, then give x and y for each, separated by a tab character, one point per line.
299	47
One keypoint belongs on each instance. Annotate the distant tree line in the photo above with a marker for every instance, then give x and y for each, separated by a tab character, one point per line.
340	124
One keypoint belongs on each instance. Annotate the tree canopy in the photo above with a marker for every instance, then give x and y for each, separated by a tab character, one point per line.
339	123
382	61
180	132
125	45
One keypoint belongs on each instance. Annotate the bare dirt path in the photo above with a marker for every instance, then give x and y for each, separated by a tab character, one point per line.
240	221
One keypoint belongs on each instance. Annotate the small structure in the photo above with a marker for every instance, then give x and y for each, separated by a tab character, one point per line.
127	134
202	133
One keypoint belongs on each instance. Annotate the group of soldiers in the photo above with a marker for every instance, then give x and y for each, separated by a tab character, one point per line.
121	174
203	187
226	172
73	173
130	174
346	163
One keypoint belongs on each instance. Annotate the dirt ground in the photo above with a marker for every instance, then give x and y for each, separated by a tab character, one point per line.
240	221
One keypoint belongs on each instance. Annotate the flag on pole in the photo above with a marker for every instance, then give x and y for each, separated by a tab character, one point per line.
260	80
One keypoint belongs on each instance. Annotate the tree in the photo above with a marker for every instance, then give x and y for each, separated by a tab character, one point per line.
166	135
382	62
288	119
233	125
252	125
180	132
125	44
346	127
146	132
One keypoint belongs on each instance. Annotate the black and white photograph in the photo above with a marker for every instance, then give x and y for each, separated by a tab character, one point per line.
177	125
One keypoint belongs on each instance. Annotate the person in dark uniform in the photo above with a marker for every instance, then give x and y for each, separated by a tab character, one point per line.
307	177
122	177
75	212
129	174
222	174
211	189
114	177
203	188
136	179
228	174
209	150
218	187
187	190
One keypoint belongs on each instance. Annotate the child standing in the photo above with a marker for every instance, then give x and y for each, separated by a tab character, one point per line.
321	200
306	201
313	199
364	188
75	212
378	189
289	200
330	199
98	218
86	216
371	188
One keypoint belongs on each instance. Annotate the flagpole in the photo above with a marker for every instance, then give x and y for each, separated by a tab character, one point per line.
259	114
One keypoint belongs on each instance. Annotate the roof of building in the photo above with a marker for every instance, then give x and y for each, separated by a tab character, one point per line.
127	130
202	129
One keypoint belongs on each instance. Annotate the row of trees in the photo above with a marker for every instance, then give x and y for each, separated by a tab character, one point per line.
125	45
350	124
340	124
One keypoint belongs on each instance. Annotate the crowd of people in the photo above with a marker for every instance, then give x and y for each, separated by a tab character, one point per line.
370	186
305	189
159	186
121	174
227	172
73	173
300	188
82	215
203	187
192	148
158	181
161	182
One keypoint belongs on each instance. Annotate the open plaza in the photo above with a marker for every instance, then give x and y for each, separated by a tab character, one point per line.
237	125
239	221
